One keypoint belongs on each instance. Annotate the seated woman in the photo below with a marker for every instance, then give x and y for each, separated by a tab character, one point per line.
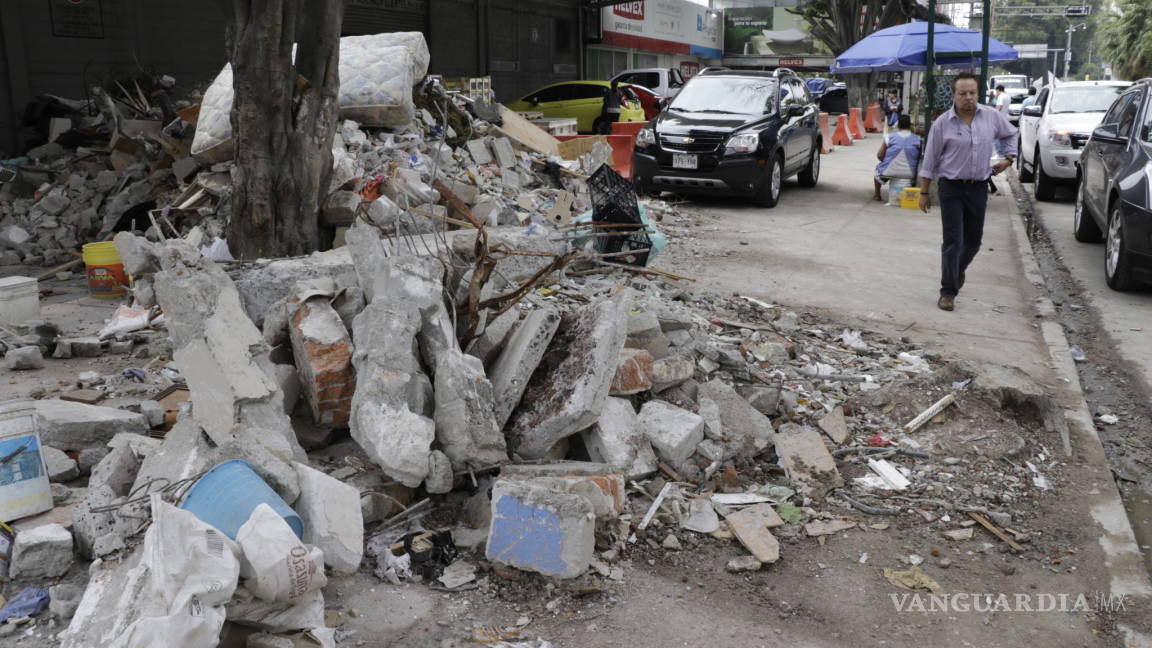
898	155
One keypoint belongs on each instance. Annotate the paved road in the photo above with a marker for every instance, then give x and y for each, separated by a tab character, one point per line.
1126	317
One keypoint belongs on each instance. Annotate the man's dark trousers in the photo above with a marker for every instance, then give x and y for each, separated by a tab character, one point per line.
962	205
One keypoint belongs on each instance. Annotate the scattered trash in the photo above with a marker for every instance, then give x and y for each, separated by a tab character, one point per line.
30	601
929	414
891	475
1108	419
1077	354
913	579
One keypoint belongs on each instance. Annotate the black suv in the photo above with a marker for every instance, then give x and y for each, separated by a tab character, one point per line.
732	132
1116	188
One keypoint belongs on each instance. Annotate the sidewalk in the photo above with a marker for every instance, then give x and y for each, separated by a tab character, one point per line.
835	251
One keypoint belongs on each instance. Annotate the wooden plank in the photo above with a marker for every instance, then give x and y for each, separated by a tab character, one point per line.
572	149
994	531
525	133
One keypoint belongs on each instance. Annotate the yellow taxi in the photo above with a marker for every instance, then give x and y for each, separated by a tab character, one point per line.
583	100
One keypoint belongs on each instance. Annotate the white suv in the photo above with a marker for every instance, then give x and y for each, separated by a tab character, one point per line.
1054	130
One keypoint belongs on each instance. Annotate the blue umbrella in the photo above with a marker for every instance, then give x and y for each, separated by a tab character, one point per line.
905	47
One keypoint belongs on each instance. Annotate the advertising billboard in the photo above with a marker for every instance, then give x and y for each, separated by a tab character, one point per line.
768	31
673	26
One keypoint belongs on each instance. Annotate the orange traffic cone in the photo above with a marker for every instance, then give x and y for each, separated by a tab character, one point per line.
841	137
855	125
873	120
825	135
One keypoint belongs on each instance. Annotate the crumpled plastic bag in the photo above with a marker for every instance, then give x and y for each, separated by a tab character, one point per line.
276	566
29	602
193	570
125	320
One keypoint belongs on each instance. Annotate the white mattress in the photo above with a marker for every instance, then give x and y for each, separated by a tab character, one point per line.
377	73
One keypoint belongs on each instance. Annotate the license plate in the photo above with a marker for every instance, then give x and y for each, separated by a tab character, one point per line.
683	161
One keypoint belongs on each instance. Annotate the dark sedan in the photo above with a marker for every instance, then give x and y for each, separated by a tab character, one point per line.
1113	202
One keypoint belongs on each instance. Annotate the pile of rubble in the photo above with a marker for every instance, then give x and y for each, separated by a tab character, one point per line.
469	348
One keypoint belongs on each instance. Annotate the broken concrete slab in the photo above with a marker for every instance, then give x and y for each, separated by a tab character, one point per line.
220	352
671	371
77	426
834	425
750	526
393	401
492	340
323	351
742	426
117	470
61	467
537	529
806	460
574	474
674	432
519	359
263	284
43	552
634	373
764	399
618	440
333	521
465	415
567	391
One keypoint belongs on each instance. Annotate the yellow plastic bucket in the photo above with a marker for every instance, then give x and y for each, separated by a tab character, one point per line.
910	198
106	278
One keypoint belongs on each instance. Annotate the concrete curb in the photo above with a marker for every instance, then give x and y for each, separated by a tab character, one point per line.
1124	563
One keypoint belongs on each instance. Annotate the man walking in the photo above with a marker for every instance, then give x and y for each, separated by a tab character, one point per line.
958	155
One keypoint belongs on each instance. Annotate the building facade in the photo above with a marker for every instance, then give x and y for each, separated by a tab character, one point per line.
654	33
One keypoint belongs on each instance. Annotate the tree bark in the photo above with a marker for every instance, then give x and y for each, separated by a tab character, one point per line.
283	120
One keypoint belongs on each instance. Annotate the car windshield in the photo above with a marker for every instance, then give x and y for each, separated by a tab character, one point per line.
1084	98
1011	82
726	95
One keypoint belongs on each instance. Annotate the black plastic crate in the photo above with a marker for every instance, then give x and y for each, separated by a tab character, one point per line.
613	197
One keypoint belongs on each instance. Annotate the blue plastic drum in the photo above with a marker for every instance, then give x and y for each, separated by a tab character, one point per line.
226	496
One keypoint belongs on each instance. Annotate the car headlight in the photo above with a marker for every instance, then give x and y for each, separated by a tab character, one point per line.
646	137
1059	138
743	143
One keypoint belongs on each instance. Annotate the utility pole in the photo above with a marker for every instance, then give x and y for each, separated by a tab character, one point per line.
930	62
1068	47
984	49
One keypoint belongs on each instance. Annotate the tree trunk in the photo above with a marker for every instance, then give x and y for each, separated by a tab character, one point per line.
283	120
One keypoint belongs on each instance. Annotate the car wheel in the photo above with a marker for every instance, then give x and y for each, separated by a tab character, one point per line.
1045	185
810	175
1025	174
1117	259
769	193
1085	228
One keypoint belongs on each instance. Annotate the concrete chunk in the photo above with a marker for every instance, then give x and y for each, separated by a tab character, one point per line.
76	426
743	428
633	373
618	440
568	389
465	418
393	398
117	470
607	495
671	371
537	529
24	358
333	521
440	475
61	467
807	461
750	526
323	351
519	359
43	552
220	352
491	342
674	432
834	425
